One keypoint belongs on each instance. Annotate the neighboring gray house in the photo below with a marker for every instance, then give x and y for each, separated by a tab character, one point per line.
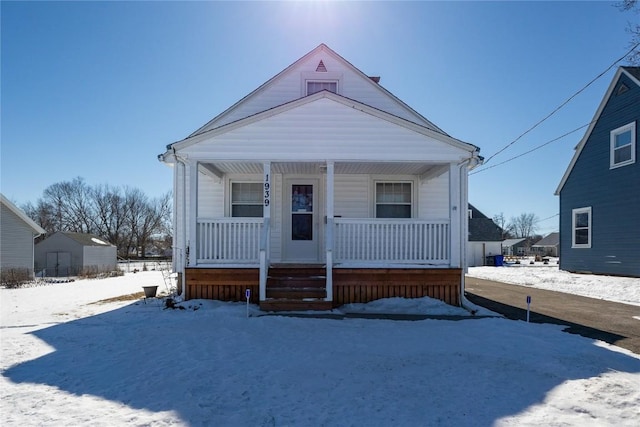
514	247
547	246
17	232
600	190
70	254
485	238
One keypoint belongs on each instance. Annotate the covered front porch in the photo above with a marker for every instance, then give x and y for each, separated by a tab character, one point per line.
357	255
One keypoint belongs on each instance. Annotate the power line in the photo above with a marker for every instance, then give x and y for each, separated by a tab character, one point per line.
563	104
530	151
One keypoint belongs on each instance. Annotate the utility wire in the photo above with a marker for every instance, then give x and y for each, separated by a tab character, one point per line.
530	151
563	104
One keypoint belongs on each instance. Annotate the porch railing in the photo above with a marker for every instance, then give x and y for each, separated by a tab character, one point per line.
391	241
228	240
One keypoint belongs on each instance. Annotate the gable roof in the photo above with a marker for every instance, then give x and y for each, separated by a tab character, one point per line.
482	228
634	75
83	239
551	239
512	242
196	138
374	82
86	239
23	216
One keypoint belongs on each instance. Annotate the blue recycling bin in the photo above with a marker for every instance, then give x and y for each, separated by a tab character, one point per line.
498	260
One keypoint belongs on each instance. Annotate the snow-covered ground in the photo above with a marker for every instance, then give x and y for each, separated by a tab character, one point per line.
68	359
539	275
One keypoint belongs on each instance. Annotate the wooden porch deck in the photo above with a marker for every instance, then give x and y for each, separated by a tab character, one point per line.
302	287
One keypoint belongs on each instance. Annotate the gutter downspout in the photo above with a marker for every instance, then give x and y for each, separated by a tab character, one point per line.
464	180
179	251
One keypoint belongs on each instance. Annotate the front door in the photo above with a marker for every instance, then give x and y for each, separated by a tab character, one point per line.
301	231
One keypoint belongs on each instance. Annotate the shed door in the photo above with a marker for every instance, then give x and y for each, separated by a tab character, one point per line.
58	264
301	227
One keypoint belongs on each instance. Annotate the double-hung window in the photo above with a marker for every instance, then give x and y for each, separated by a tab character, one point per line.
393	199
246	199
623	145
581	228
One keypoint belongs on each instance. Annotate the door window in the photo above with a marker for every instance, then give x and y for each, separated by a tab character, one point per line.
302	212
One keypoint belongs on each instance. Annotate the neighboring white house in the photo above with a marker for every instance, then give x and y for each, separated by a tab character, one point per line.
322	166
17	232
69	254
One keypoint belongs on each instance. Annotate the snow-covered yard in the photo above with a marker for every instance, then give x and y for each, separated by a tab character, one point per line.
68	359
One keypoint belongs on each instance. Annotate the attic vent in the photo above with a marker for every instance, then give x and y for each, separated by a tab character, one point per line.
622	89
321	68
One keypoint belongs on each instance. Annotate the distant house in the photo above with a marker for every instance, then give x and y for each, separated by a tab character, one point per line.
547	246
17	232
70	254
323	175
485	238
600	190
514	247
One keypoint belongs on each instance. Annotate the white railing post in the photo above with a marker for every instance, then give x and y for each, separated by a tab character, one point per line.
454	214
192	214
264	260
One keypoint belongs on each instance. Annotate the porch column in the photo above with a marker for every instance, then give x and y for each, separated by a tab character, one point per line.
192	214
455	225
265	240
329	231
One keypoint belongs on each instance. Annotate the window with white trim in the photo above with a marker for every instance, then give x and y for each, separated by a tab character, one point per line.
581	228
623	145
246	199
314	86
393	199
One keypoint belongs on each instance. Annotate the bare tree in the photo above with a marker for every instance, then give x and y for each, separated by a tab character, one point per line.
125	217
524	225
633	28
501	222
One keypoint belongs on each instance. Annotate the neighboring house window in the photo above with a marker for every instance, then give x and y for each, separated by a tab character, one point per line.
623	145
246	199
581	235
393	200
317	86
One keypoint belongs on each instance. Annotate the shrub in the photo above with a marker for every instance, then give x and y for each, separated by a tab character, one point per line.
14	277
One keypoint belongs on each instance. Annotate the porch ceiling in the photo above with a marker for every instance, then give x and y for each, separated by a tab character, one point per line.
391	168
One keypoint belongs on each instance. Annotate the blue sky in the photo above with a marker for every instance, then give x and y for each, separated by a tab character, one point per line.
98	89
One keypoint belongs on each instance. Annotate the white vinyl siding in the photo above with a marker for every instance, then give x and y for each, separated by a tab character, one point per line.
16	242
286	88
433	200
623	145
325	126
581	228
351	196
210	197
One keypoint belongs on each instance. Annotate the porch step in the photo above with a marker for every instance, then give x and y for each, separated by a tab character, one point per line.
296	287
278	304
296	293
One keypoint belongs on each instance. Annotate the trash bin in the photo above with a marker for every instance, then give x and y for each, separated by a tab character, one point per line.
489	261
499	260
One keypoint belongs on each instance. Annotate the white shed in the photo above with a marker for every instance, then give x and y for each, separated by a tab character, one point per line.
17	232
70	254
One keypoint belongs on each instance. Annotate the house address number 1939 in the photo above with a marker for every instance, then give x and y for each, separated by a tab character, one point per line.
267	190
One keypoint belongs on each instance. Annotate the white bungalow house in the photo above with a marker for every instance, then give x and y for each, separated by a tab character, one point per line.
317	189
